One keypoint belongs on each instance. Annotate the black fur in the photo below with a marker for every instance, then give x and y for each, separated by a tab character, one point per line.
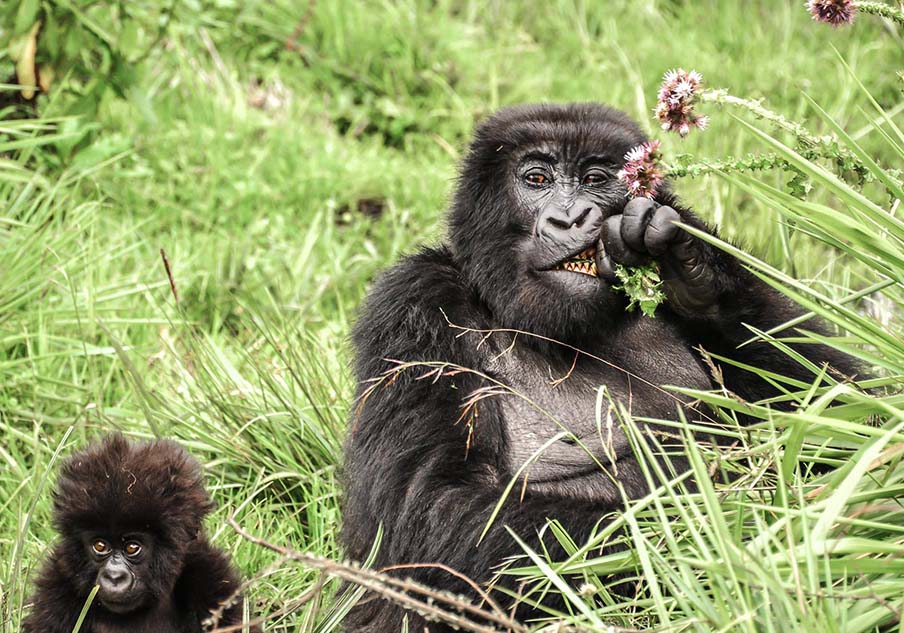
432	476
118	488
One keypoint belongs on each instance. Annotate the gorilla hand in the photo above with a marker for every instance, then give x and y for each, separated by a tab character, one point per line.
645	229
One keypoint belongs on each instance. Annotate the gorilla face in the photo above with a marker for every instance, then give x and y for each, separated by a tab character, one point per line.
537	187
122	563
128	514
565	202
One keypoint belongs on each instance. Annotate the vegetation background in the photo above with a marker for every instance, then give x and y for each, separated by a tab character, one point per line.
283	152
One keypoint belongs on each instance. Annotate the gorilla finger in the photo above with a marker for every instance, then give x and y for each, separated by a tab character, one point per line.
605	269
615	246
662	231
637	215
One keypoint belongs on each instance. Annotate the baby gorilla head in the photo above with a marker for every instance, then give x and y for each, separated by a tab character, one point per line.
129	516
121	561
536	188
128	513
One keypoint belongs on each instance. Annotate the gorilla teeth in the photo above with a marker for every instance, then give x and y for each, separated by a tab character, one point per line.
583	262
584	267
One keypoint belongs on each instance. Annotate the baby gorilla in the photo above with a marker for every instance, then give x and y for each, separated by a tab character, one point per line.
130	520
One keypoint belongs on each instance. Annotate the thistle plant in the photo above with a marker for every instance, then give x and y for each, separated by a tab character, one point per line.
679	96
675	105
842	12
834	12
682	91
643	287
642	174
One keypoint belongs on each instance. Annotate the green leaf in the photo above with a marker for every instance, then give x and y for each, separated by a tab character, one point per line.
51	37
85	607
75	38
890	183
854	200
104	148
129	38
642	285
26	15
558	581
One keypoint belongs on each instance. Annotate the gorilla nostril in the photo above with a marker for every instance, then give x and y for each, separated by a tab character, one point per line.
579	221
559	224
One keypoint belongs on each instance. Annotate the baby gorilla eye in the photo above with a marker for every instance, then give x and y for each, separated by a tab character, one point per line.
132	548
100	547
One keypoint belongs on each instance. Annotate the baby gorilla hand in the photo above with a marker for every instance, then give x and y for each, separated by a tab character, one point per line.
647	230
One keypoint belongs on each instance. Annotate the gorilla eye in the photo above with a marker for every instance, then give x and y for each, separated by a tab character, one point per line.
594	178
536	177
100	547
132	548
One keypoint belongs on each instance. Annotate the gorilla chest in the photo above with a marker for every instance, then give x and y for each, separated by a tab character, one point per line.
163	618
580	403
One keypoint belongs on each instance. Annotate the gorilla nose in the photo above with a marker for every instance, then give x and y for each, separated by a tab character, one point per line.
114	579
572	227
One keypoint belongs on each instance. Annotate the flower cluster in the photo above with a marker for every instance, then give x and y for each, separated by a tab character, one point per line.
834	12
642	173
675	106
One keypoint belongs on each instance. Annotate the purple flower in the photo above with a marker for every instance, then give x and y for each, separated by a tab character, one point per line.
834	12
675	106
641	172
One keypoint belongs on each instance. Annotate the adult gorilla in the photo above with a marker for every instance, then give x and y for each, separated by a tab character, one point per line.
538	219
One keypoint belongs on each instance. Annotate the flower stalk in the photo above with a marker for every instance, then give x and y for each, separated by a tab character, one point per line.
681	91
882	10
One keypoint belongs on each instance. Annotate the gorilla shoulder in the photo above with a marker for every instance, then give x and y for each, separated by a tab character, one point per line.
409	310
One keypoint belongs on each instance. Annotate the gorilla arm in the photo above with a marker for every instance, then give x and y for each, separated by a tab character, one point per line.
56	606
410	463
713	295
207	581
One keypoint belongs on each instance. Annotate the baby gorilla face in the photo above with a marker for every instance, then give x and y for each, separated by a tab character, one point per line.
122	563
130	519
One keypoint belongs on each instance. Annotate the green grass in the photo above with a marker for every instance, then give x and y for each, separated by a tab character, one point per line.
257	211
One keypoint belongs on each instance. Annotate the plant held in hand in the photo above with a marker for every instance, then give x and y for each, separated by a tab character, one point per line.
642	285
643	175
642	172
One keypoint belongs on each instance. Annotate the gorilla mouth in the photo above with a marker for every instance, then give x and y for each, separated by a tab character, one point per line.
583	263
118	605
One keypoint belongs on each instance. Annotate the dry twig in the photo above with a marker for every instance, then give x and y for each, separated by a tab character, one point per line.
436	605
